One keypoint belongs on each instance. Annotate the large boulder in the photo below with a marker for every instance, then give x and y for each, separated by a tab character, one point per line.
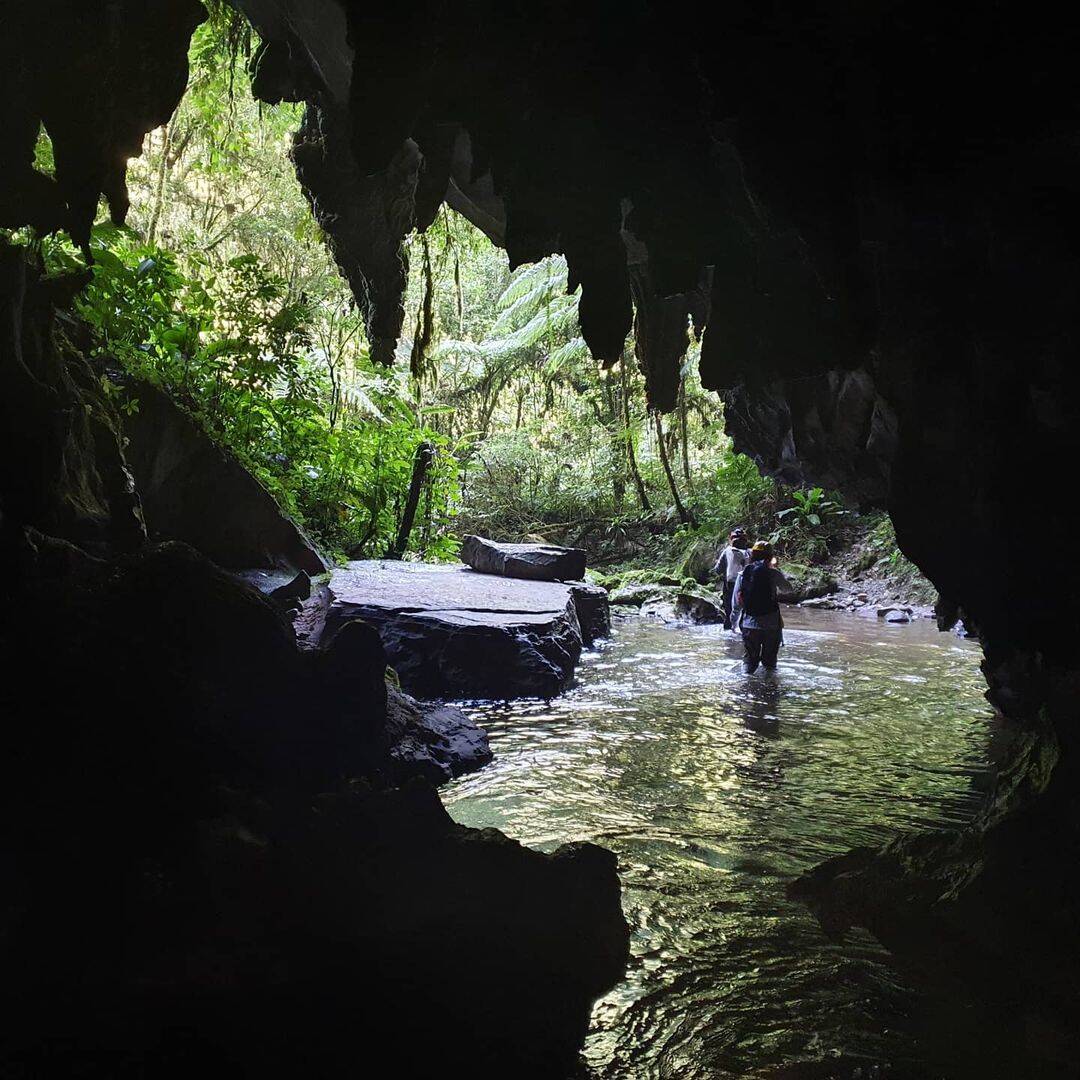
432	740
450	632
194	490
537	562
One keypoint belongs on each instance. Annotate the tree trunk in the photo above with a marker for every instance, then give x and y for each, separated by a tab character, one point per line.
159	193
425	317
629	439
425	453
684	515
683	436
612	424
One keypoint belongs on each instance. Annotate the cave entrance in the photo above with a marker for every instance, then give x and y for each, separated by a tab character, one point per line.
494	418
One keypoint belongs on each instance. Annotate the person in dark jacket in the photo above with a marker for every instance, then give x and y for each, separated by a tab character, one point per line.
760	620
732	561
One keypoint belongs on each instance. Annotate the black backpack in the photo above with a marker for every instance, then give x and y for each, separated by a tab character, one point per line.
758	595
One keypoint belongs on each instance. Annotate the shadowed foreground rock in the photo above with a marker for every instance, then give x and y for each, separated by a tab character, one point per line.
241	896
451	632
537	562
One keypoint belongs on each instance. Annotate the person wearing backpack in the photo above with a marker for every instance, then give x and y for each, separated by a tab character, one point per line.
760	620
732	562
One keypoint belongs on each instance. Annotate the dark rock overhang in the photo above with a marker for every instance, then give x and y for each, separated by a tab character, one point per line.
99	75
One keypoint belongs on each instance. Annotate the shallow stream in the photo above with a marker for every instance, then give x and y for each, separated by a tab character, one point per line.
715	789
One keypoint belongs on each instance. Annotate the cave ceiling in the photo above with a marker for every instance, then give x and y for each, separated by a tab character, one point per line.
738	164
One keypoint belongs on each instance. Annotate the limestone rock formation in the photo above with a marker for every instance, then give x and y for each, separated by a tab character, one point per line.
61	462
450	632
98	79
194	490
537	562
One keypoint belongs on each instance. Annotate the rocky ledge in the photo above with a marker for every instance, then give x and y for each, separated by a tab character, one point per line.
451	632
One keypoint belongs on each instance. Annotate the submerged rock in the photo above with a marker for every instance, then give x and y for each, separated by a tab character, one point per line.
450	632
663	609
536	562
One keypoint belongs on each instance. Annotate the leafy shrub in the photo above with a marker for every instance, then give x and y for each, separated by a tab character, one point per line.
233	344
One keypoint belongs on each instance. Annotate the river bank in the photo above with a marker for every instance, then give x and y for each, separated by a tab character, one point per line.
853	565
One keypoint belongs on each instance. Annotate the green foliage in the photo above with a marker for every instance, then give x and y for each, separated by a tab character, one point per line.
234	345
810	510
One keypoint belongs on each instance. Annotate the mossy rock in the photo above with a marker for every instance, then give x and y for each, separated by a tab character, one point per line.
634	595
807	583
699	559
605	581
626	578
689	587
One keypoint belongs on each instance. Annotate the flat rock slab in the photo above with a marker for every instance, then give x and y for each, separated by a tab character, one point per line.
451	632
534	562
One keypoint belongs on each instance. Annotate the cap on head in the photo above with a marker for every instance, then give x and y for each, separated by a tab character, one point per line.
761	550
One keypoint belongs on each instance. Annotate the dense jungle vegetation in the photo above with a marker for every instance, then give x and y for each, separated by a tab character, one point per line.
221	290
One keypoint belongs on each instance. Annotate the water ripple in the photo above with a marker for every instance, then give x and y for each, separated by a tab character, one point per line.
714	789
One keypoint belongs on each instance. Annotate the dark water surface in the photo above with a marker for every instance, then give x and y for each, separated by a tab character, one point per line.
714	789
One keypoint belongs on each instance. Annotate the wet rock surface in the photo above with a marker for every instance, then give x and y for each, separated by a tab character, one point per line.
593	611
537	562
432	740
450	632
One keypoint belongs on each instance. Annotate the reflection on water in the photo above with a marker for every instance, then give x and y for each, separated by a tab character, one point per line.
714	789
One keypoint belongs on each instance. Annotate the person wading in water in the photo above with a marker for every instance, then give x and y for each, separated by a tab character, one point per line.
760	621
729	566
